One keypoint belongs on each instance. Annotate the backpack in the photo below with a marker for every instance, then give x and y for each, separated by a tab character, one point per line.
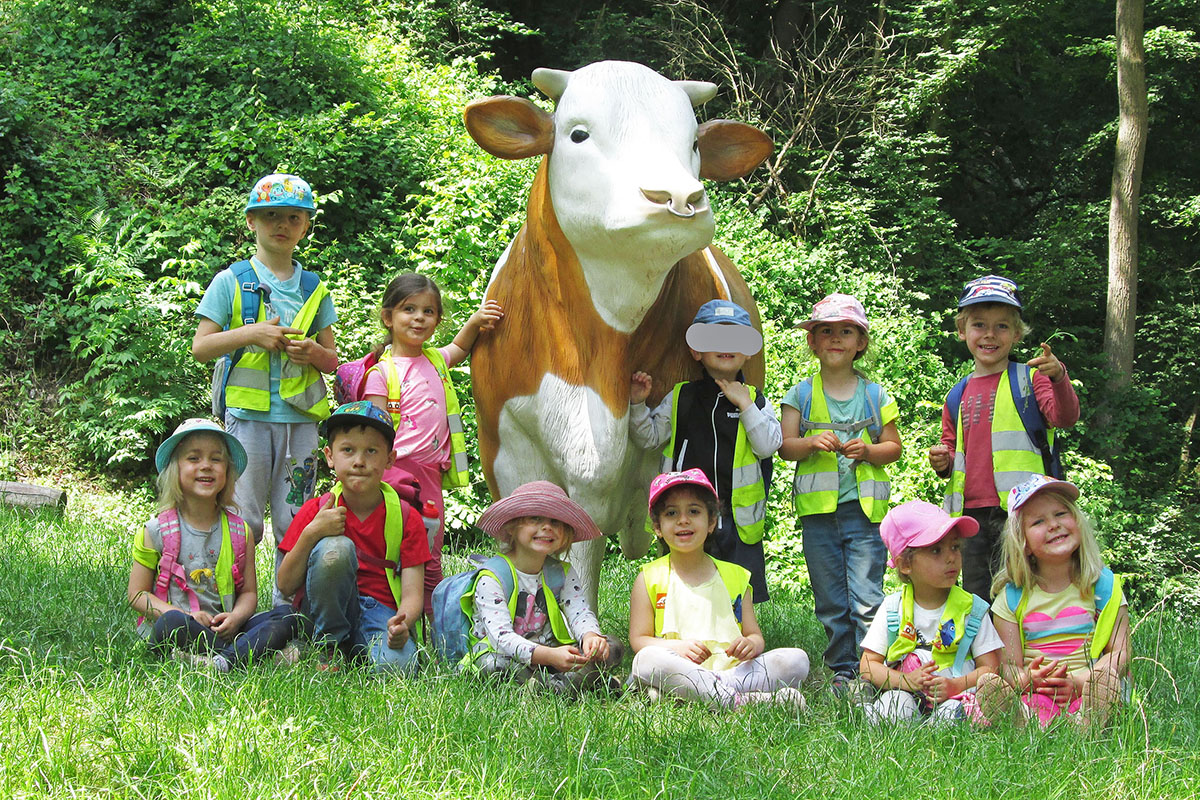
351	377
979	610
452	624
169	568
1020	383
253	293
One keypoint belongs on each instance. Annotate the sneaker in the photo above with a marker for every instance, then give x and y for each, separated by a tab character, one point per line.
328	659
288	655
202	660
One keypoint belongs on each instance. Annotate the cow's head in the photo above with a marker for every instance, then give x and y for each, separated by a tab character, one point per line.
625	158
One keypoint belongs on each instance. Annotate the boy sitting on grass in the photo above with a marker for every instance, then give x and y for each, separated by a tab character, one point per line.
359	552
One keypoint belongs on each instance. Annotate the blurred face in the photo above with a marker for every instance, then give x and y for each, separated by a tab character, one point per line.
990	333
837	344
278	230
1051	531
935	566
203	465
359	456
684	523
538	535
412	321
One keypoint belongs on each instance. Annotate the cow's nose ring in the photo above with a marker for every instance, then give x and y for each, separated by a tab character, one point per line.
691	211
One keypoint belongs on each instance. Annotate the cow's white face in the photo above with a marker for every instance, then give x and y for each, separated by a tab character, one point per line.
623	181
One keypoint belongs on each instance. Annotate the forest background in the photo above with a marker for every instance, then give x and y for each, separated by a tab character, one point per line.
919	143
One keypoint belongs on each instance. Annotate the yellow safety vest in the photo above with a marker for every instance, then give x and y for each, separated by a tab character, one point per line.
457	475
558	623
815	488
657	575
958	607
748	496
249	385
1014	455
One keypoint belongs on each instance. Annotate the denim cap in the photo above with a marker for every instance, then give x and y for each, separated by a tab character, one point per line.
538	499
1021	493
237	453
837	308
280	190
990	289
362	412
669	480
723	327
920	524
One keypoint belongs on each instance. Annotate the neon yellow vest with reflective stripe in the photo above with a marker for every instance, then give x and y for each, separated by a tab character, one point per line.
1105	622
457	474
558	623
303	388
815	489
748	496
393	536
657	575
958	608
1014	455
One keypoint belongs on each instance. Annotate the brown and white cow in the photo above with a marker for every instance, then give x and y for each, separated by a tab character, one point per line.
603	279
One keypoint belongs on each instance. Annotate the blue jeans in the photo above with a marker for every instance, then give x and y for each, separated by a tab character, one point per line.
845	559
357	624
265	632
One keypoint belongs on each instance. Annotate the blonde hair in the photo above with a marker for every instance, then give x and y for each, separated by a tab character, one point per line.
504	542
170	494
1021	569
1014	317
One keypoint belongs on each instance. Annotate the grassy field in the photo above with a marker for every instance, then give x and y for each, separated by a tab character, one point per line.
85	712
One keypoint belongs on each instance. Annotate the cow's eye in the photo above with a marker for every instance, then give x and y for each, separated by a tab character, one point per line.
579	135
696	146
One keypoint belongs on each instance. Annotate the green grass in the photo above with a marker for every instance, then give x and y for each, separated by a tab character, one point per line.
84	712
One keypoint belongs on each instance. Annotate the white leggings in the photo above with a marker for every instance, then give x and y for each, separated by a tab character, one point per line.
669	672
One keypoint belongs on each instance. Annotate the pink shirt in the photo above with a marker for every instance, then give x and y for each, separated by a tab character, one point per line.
422	432
1059	405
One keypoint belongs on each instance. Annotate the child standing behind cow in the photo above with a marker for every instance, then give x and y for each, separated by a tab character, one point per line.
841	489
412	382
986	448
721	426
274	394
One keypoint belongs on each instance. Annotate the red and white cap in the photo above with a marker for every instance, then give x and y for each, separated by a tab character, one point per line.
838	308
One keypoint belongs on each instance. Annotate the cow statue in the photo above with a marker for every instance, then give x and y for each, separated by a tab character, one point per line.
603	279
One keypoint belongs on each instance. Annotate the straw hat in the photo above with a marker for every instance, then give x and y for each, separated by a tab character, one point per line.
538	499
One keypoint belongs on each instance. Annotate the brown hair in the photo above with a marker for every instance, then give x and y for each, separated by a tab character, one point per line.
401	288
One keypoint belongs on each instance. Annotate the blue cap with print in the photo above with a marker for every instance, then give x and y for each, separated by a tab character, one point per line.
990	289
362	412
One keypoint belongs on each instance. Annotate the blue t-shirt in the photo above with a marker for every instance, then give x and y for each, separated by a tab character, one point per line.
217	305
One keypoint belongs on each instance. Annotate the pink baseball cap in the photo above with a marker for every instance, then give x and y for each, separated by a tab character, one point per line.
837	308
920	524
1021	493
692	477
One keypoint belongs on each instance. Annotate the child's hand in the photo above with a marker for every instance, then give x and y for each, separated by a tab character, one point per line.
595	647
270	335
940	456
941	688
397	631
825	441
855	449
742	648
736	392
226	626
565	658
204	618
1047	364
692	650
918	680
301	352
487	316
639	387
1054	682
329	521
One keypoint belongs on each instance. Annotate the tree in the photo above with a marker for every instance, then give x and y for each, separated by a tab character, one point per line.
1126	187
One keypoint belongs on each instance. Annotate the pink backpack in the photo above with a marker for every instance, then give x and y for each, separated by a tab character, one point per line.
349	380
169	568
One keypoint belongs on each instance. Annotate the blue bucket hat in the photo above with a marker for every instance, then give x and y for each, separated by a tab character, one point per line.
237	453
362	412
280	190
990	289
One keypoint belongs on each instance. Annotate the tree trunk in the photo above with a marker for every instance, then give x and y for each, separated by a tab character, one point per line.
1126	186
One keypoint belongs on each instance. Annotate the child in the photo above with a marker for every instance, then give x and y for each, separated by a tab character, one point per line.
359	552
841	489
270	322
721	426
985	448
193	565
544	632
930	642
1060	612
412	383
691	617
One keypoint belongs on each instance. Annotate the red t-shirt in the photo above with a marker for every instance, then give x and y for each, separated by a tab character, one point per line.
1057	401
367	535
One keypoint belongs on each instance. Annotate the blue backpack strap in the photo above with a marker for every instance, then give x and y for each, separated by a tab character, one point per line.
979	610
251	289
875	409
804	396
954	399
1104	589
499	566
555	576
891	607
1020	383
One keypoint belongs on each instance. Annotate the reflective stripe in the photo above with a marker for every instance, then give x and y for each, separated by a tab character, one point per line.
816	482
747	475
1013	440
879	490
746	516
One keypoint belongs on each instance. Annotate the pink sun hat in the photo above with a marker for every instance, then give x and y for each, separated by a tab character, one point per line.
920	524
668	480
538	499
837	308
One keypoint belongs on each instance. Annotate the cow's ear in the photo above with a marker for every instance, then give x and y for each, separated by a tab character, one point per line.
730	150
509	127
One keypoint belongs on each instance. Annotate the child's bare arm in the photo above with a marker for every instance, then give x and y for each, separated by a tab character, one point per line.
751	643
412	600
320	352
796	447
873	668
485	318
210	341
140	593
